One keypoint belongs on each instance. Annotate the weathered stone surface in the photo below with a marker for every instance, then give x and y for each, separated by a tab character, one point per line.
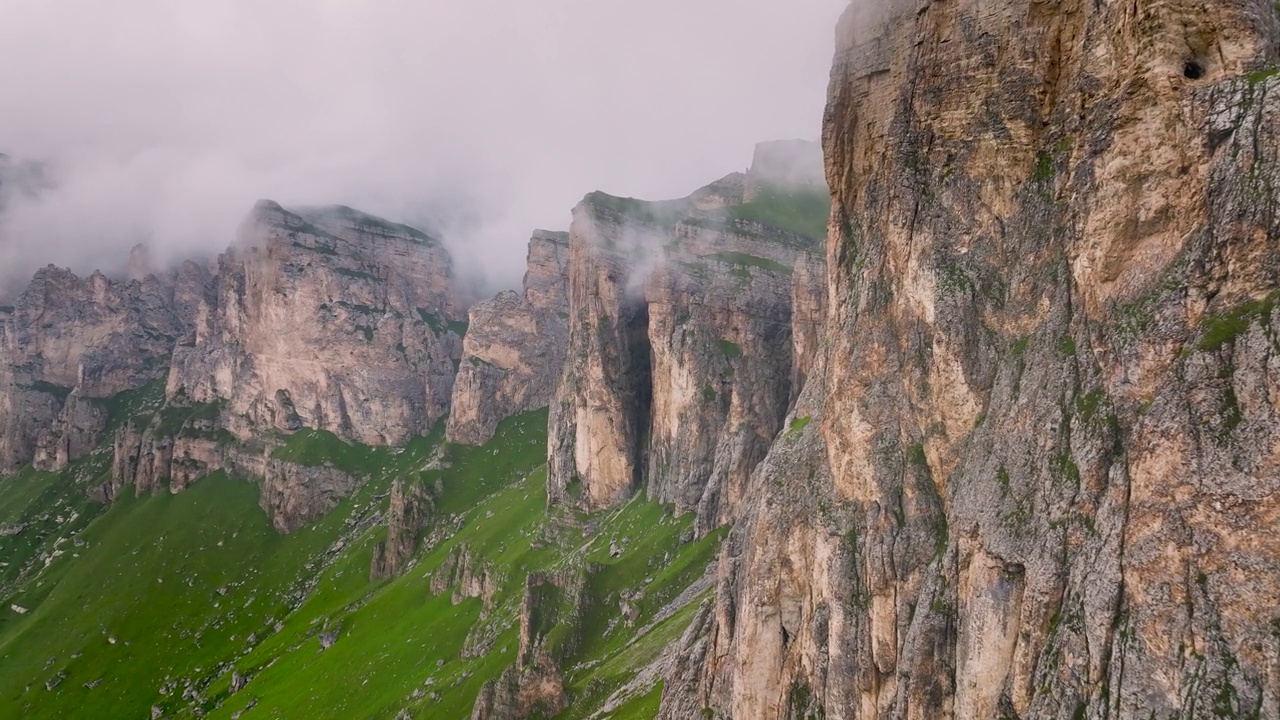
674	380
327	319
808	316
514	350
165	457
409	511
468	576
93	335
1040	474
534	685
76	430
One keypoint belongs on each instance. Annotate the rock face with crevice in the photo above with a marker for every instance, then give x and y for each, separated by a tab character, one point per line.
409	510
325	319
328	319
68	344
515	346
1034	471
674	382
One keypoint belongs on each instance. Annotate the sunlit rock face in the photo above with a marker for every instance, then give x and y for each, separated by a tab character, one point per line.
320	320
1033	472
327	319
679	367
514	349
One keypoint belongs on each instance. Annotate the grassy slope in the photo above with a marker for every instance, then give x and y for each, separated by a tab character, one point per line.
182	582
801	211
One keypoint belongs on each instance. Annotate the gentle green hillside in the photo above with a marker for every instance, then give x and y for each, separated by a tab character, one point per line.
160	601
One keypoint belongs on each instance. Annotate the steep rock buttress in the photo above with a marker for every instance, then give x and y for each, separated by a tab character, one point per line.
679	364
1035	472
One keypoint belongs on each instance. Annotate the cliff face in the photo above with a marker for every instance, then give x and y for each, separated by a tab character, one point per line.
326	320
514	350
331	320
674	381
68	343
1034	471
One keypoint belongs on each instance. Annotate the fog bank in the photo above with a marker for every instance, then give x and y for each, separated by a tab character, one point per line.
163	122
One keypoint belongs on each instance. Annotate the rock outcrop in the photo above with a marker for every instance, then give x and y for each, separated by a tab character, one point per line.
514	350
328	319
69	343
409	511
469	578
534	685
675	382
1034	471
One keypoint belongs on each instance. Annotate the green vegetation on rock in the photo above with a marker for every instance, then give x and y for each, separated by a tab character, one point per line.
440	326
162	601
803	211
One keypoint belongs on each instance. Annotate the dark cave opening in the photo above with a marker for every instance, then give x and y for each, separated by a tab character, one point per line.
1193	70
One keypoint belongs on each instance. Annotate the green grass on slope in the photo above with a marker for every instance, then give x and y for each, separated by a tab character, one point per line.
42	513
801	211
644	707
401	648
181	583
392	635
167	587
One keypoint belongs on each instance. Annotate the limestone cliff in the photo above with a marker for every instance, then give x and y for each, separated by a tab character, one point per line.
1034	472
678	310
515	345
328	319
67	344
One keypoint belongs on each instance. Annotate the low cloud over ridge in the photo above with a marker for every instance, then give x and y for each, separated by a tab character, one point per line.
163	122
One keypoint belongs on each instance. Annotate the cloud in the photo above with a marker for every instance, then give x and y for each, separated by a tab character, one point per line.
164	122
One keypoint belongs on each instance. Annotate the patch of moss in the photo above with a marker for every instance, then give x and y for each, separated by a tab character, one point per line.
174	418
1222	329
798	425
801	211
356	274
440	326
57	391
1259	76
731	350
1045	168
916	455
320	248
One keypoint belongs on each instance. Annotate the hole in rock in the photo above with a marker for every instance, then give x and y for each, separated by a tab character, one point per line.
1193	70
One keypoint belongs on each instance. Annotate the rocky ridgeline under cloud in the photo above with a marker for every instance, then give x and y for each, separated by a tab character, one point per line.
331	325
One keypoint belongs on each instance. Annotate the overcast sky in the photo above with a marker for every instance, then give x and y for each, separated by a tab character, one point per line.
164	121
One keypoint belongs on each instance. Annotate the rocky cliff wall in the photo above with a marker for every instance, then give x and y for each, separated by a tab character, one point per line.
514	350
69	343
674	381
328	319
1034	473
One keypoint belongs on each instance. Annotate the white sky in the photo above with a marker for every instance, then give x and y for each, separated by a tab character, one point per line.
165	120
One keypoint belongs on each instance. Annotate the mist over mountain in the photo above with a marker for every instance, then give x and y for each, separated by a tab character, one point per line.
164	123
